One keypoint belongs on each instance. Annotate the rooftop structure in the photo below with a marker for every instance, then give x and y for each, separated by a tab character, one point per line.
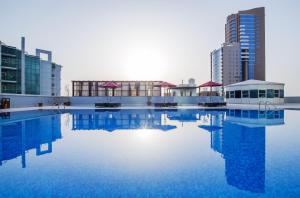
255	92
126	88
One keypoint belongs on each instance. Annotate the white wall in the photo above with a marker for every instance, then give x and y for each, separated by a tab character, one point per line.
45	76
19	100
142	100
56	80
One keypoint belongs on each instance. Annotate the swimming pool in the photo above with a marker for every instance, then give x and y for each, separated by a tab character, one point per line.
150	153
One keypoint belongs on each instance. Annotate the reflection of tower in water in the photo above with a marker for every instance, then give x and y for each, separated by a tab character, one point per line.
18	137
241	141
244	154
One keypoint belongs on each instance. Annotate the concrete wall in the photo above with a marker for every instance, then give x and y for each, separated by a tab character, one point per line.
292	99
18	100
142	100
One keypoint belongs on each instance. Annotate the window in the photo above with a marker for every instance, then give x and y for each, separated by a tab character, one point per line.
232	94
245	94
281	93
262	93
227	94
270	93
254	93
276	93
238	94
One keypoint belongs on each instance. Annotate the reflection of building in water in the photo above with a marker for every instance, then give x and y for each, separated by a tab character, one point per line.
241	141
244	153
18	137
184	115
111	120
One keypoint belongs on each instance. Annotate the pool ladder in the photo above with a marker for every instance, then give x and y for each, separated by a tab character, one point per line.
266	104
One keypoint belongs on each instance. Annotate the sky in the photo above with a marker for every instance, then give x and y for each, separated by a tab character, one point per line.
147	40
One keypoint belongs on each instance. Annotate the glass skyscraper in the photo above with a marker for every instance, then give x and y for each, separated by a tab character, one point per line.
32	74
248	29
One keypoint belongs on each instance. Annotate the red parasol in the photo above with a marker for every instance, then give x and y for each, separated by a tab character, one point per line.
110	84
211	84
165	84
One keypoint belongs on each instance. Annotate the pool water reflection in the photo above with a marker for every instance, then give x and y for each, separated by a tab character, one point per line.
149	153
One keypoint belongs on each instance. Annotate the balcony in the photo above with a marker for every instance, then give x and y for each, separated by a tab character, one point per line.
8	81
8	68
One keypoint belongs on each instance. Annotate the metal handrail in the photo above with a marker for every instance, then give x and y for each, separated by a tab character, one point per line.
269	104
260	103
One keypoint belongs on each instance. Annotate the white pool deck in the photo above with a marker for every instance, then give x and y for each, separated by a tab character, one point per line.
290	106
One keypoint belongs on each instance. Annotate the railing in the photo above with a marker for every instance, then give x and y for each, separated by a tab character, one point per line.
266	104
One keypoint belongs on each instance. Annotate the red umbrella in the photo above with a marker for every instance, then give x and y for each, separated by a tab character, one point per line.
110	85
211	84
165	84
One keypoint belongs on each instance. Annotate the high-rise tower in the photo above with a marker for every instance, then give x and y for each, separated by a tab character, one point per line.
247	28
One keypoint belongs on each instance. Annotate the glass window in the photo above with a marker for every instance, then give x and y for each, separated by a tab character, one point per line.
270	93
227	94
262	93
245	94
238	94
254	93
281	93
232	94
276	93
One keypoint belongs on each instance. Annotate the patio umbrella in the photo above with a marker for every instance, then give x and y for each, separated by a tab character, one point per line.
210	128
164	84
210	84
110	85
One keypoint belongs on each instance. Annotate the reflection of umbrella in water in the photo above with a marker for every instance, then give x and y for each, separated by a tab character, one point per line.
184	117
164	127
210	128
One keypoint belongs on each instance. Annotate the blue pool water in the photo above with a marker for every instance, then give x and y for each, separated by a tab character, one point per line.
150	153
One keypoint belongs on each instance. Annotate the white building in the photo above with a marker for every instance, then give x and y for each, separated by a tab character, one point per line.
50	75
189	89
255	92
226	64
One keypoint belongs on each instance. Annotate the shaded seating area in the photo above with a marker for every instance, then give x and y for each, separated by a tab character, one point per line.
165	101
109	85
212	101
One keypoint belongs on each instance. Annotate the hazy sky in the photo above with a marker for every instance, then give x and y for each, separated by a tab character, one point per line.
147	40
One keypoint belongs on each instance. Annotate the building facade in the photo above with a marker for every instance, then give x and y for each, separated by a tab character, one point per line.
225	64
242	56
255	92
32	75
50	74
247	28
10	67
22	73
